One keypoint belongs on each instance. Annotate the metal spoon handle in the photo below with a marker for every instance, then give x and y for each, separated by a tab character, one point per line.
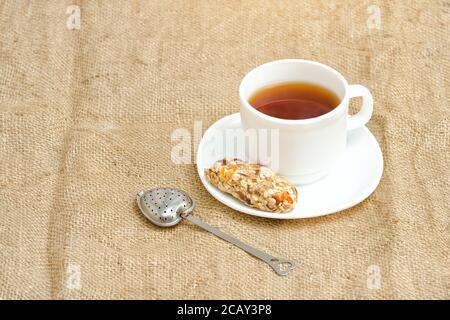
281	266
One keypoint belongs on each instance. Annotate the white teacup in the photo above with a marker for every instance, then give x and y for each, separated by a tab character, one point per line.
307	148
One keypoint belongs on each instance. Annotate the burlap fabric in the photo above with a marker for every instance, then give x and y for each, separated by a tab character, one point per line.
86	117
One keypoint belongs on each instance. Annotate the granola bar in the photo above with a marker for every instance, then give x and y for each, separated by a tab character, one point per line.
253	184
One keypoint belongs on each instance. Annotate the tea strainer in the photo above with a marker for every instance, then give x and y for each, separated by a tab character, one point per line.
166	207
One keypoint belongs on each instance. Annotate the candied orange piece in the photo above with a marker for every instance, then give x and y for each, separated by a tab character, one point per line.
281	197
227	172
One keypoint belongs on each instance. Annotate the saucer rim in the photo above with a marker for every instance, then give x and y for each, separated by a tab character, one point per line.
233	203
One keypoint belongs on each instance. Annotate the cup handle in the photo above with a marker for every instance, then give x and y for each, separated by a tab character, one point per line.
363	116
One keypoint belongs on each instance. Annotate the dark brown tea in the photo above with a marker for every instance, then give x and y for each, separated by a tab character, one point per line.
294	100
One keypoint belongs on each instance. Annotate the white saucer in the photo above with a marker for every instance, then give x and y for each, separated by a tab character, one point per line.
352	179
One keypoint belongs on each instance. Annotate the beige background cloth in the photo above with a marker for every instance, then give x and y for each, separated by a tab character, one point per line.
85	122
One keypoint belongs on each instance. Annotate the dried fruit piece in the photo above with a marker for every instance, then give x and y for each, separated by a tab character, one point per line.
253	184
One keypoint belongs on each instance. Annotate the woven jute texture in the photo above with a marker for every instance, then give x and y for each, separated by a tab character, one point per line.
86	117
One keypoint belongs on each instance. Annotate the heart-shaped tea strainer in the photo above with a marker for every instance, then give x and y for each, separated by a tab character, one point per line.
166	207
